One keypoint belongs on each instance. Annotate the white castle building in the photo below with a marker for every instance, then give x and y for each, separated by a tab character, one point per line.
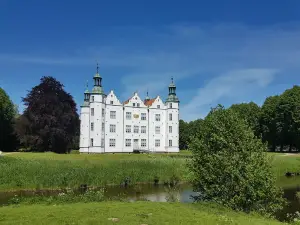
109	126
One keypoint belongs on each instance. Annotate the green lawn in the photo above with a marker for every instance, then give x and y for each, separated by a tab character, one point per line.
127	213
49	170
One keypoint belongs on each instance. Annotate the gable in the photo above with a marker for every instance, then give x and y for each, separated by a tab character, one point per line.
112	99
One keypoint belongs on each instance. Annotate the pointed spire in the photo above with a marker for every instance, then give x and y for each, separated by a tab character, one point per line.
172	92
147	97
97	89
86	95
87	87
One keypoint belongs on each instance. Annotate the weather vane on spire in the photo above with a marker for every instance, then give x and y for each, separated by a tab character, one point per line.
97	67
87	84
172	79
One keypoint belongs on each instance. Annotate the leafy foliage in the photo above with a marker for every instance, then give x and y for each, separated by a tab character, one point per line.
230	166
50	121
250	112
7	113
187	131
184	135
280	120
268	121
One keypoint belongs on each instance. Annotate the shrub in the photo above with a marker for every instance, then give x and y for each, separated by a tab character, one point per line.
230	165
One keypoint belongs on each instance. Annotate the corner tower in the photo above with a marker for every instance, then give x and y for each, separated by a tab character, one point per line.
97	115
172	117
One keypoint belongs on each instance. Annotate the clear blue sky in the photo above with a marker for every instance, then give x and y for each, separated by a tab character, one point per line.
218	51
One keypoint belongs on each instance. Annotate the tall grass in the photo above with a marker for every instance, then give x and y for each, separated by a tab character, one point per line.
49	170
39	172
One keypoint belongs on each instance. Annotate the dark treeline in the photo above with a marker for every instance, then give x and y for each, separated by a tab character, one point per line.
277	122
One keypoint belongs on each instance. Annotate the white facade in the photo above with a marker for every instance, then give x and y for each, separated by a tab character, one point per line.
109	126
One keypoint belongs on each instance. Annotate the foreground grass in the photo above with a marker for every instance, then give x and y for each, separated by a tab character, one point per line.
49	170
127	213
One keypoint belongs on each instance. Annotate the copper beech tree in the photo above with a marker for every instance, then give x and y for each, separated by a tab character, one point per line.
50	121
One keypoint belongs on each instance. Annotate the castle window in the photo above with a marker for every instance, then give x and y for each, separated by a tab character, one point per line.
128	142
133	104
143	142
111	102
143	129
170	143
128	128
170	129
157	130
170	105
138	104
112	128
128	115
93	98
113	114
92	142
112	142
157	117
170	117
157	143
143	116
92	111
158	106
136	129
92	126
103	127
103	113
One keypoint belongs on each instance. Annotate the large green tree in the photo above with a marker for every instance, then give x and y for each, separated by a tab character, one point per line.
250	112
230	165
288	118
50	120
269	122
7	115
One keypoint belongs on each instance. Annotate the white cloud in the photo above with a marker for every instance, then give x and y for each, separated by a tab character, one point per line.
233	84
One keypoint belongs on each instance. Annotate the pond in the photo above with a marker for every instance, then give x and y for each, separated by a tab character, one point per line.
162	193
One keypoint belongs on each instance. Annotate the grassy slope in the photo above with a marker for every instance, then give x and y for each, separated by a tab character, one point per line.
49	170
127	213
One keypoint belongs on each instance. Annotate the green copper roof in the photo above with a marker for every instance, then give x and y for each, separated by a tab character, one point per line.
172	98
97	75
97	90
172	85
86	91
